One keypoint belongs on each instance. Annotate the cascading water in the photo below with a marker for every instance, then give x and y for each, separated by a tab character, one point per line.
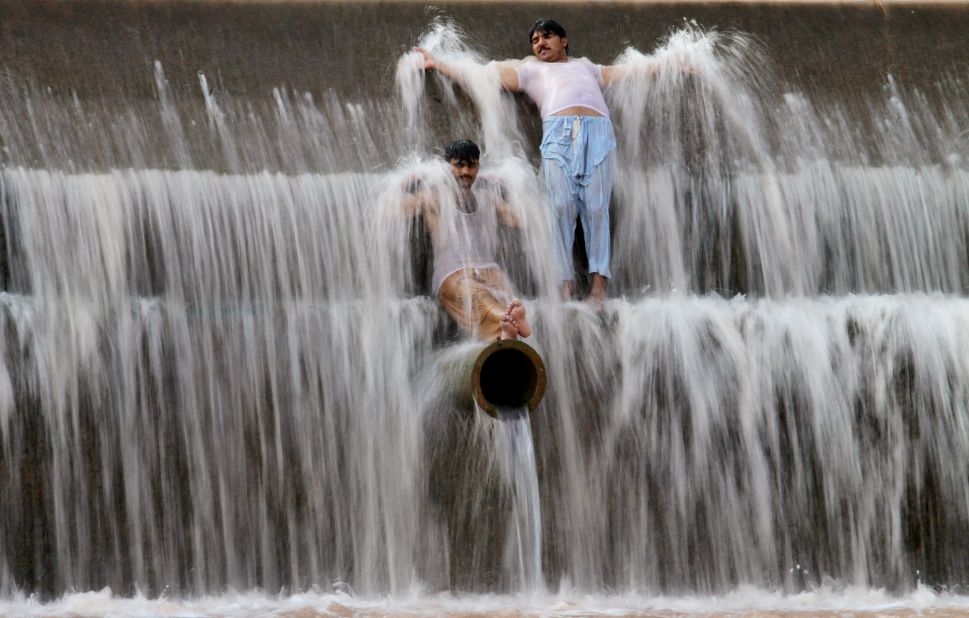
220	366
516	460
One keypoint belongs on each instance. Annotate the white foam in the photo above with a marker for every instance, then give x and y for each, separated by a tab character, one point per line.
827	600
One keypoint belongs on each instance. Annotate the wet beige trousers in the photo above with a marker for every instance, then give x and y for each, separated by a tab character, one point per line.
476	299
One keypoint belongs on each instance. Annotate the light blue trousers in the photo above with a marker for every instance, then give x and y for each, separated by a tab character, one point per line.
578	161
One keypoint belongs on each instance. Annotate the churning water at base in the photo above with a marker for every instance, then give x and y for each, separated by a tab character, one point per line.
744	602
223	380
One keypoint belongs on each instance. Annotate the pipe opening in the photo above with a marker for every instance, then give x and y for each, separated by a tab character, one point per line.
508	375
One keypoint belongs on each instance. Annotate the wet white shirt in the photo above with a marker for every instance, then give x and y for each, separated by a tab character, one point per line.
555	86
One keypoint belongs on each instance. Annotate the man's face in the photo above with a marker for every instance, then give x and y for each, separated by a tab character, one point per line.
464	171
549	47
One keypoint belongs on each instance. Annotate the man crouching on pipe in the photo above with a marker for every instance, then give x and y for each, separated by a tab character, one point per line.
467	280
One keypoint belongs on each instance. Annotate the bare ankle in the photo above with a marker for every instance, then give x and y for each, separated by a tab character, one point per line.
599	284
567	290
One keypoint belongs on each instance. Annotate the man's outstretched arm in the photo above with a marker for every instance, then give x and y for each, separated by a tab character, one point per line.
509	77
506	73
614	73
433	64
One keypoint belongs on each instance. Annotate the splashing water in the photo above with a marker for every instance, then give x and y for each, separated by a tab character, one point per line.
219	367
478	80
516	459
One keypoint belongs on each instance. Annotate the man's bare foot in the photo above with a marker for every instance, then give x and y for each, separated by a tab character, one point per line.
508	328
597	295
516	312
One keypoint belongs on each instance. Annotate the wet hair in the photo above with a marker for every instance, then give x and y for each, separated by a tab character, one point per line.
462	150
548	27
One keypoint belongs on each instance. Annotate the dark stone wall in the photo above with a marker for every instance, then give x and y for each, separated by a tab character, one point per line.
98	46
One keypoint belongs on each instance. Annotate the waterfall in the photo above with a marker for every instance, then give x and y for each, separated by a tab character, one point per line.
219	361
517	464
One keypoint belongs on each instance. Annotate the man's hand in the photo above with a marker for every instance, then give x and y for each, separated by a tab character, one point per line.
412	184
429	62
432	63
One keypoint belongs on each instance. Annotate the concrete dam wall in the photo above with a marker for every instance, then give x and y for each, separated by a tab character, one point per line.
221	366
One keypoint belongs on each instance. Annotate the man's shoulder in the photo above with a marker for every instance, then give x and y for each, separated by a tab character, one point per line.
527	65
489	188
489	182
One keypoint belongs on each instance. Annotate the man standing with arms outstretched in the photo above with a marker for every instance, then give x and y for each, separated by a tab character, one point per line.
577	144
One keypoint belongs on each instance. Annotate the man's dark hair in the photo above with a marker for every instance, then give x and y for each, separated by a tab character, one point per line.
548	27
462	150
